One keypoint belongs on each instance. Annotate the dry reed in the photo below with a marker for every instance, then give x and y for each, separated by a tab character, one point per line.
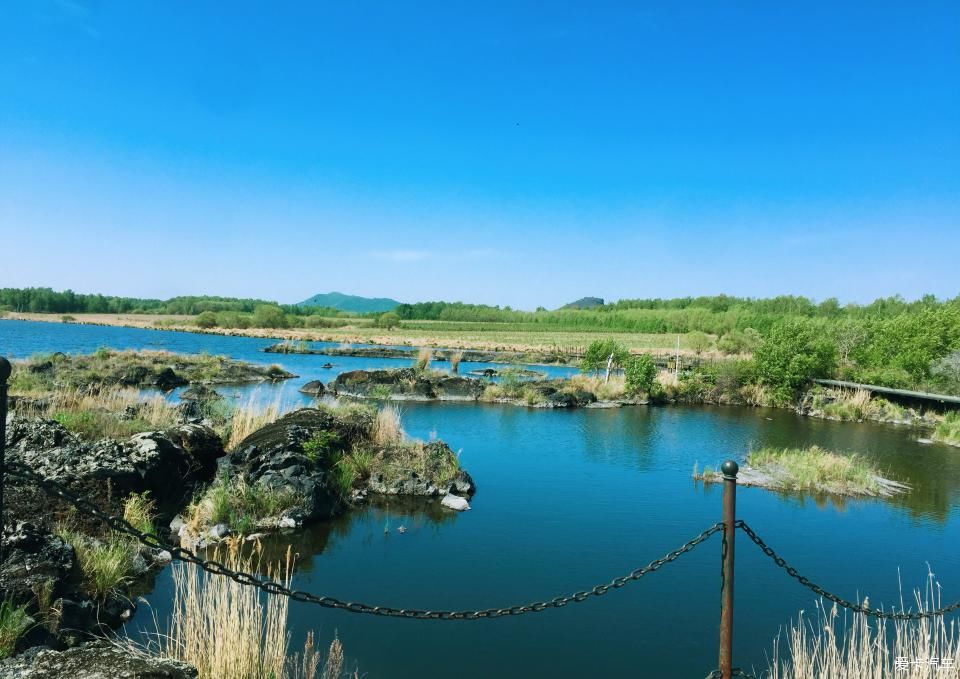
387	428
853	646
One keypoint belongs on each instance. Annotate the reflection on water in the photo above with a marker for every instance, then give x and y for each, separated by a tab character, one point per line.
569	499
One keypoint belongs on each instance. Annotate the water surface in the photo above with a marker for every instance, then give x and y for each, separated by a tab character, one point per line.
569	499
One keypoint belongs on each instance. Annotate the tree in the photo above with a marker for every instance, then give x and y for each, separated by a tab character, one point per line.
791	354
698	341
743	341
640	373
207	319
269	316
388	320
604	355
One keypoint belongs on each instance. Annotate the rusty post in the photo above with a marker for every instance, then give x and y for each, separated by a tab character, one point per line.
729	469
5	370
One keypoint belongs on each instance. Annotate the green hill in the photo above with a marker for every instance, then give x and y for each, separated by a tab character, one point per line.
584	303
352	303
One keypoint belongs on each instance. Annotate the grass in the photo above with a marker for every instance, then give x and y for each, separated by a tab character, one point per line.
239	504
455	358
853	646
856	404
422	362
139	511
816	469
387	427
109	413
228	630
109	368
948	431
461	335
14	623
249	418
107	565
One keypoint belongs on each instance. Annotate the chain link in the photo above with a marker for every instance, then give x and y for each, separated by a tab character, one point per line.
23	473
855	607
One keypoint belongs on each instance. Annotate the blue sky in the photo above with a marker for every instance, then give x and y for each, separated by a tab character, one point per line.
506	153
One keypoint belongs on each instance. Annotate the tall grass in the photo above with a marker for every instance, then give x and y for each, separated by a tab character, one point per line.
455	358
853	646
228	630
250	417
108	413
948	431
424	355
387	428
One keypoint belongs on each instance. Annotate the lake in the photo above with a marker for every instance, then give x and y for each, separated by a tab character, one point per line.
570	499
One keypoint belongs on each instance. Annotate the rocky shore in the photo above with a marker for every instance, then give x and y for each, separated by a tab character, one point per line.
439	355
410	384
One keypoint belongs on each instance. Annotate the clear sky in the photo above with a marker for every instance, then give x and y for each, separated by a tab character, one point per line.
521	153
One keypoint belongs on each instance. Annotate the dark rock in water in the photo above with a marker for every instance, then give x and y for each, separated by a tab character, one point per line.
313	388
327	366
414	484
189	412
33	558
274	457
167	380
135	376
406	383
94	660
168	464
201	393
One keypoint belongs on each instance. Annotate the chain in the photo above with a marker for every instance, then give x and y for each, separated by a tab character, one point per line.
735	672
20	472
855	607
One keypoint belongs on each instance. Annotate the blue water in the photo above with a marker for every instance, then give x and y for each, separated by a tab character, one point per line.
569	499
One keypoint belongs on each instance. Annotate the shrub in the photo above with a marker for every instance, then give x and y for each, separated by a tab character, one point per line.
640	374
322	445
207	319
268	316
388	320
698	341
605	355
739	341
793	353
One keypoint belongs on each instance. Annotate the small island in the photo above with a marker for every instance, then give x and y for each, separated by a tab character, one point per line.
809	470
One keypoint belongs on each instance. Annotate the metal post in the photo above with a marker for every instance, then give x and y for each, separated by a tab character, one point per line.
5	370
729	469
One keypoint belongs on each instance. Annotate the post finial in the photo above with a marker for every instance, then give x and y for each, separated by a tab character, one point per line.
730	469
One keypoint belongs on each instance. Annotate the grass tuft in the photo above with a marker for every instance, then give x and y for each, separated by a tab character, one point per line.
107	565
14	623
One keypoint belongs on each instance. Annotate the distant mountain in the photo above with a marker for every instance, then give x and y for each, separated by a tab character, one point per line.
584	303
352	303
